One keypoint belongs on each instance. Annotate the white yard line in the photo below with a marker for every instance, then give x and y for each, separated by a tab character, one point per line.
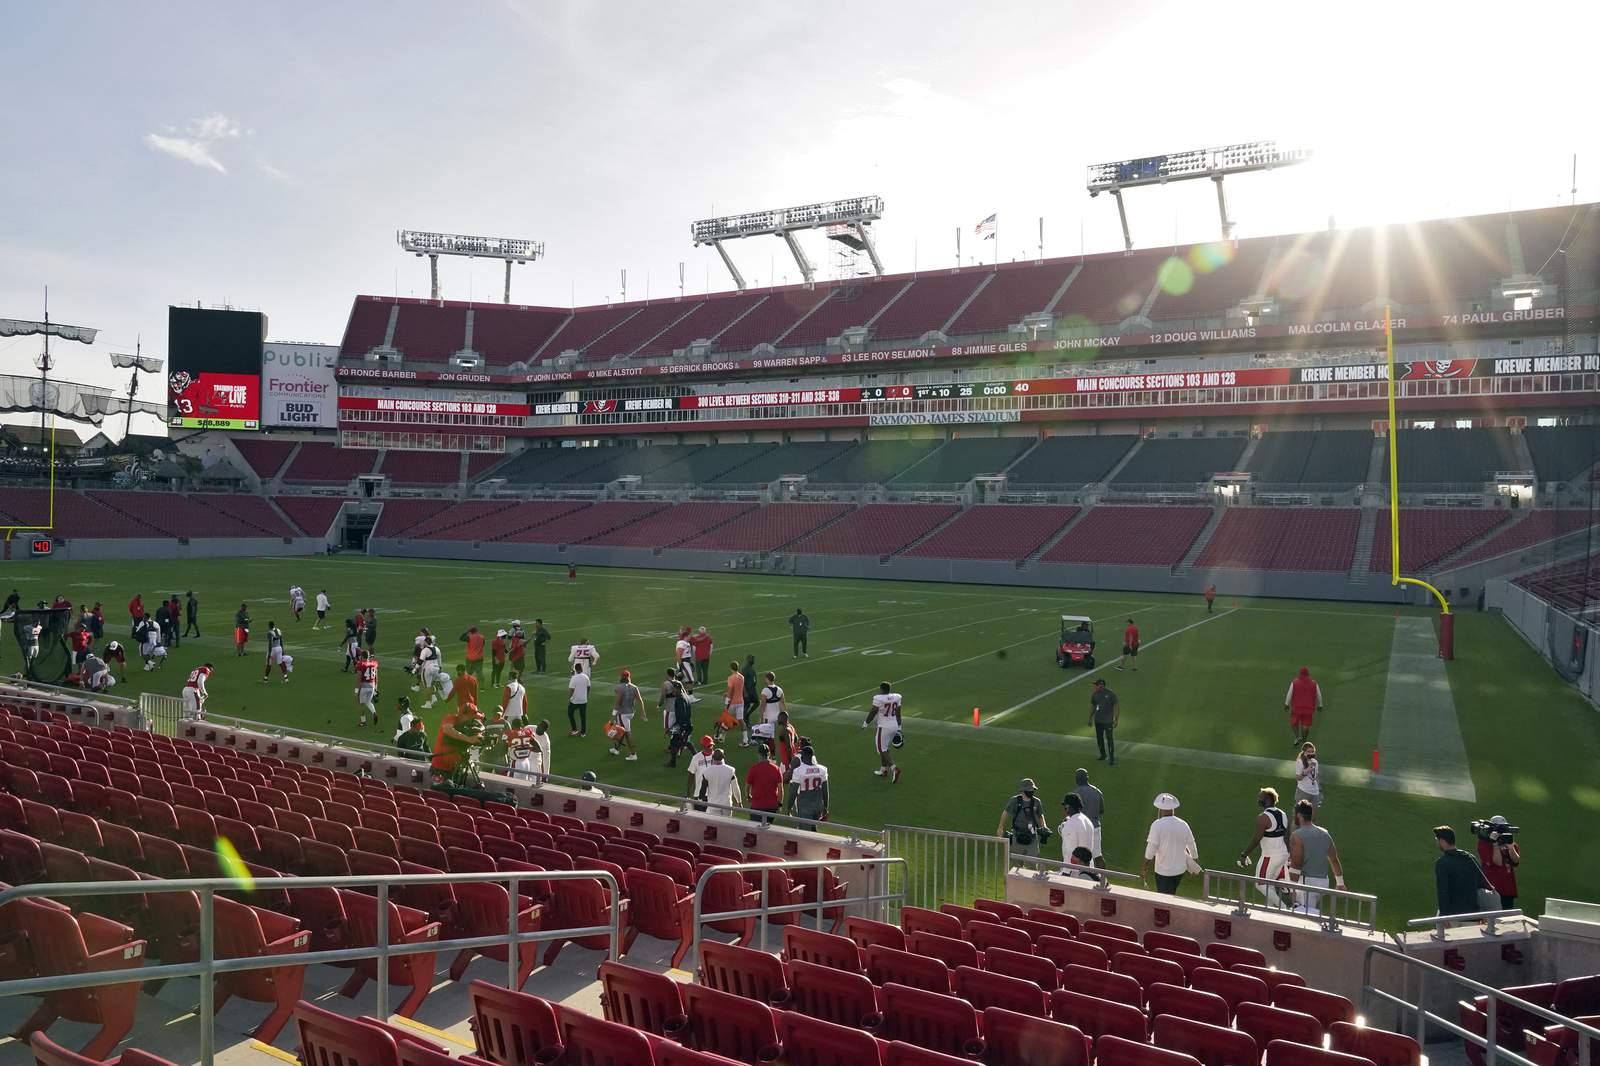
1031	700
1420	749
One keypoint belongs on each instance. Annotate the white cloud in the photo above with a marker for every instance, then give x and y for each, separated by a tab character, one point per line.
190	151
279	176
195	146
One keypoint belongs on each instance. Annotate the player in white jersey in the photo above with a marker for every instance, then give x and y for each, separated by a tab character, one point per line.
585	653
194	691
297	601
523	748
322	610
429	666
683	657
31	631
808	788
1272	835
514	700
367	686
276	656
772	701
886	710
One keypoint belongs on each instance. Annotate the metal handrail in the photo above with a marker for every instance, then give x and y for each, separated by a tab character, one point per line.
1587	1034
207	966
766	909
1439	921
1363	904
62	694
1072	871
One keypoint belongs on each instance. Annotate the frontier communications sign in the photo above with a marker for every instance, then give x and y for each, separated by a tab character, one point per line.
299	387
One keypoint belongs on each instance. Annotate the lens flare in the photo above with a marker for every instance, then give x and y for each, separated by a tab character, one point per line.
233	865
1175	277
1204	258
1075	332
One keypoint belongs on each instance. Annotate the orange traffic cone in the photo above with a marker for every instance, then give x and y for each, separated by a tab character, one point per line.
975	715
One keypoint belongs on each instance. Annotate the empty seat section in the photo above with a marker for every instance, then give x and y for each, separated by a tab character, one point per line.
650	320
1561	453
674	525
253	511
1430	534
1109	288
784	460
1069	461
624	461
313	514
264	456
443	524
76	515
708	464
1180	461
927	305
1462	459
553	466
322	463
581	525
1572	586
1536	528
174	514
850	304
480	463
400	516
710	316
1209	279
1334	459
1282	538
1131	536
506	335
421	468
369	321
585	327
427	332
771	319
505	522
873	462
960	461
1017	290
875	529
995	532
1439	264
768	528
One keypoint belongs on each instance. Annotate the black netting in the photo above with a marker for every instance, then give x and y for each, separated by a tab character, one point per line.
54	658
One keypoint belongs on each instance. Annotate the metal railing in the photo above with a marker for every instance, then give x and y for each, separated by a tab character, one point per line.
1490	919
766	909
208	966
943	866
60	695
1248	893
1495	1000
1097	878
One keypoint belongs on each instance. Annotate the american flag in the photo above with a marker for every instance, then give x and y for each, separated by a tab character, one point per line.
986	229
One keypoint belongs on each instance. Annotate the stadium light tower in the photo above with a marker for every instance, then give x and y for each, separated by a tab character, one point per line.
845	221
433	245
1213	163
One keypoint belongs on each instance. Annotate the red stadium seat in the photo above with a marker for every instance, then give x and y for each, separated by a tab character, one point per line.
669	1054
809	1041
1098	1017
887	966
1115	1051
1162	998
929	1020
581	904
1064	952
1116	987
965	915
1267	1024
832	889
743	972
1236	988
921	920
53	943
1115	930
866	933
1041	971
900	1053
642	999
1111	945
1188	961
1288	1053
1325	1007
1011	1039
322	859
245	932
946	949
999	908
983	989
1272	977
831	994
481	910
823	949
726	893
1213	1045
729	1025
512	1028
985	935
659	907
47	1052
1156	938
1035	930
1381	1047
375	843
326	1037
679	869
405	926
1147	970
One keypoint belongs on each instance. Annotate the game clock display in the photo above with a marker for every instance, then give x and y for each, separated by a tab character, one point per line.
39	546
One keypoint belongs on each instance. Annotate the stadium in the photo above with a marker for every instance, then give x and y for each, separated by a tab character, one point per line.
691	679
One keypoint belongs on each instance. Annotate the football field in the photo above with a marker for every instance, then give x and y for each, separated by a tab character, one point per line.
1494	732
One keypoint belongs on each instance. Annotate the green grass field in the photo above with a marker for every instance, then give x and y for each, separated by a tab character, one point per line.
1208	691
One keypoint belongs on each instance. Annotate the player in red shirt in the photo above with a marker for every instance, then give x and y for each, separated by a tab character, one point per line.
763	784
1302	701
497	654
1130	646
367	687
136	608
701	643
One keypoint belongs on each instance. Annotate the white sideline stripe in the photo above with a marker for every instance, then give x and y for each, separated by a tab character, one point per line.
1419	737
998	715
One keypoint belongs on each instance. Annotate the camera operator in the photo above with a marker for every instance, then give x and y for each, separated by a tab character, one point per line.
1022	821
1499	856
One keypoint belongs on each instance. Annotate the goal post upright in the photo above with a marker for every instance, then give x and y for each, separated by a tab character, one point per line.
1446	617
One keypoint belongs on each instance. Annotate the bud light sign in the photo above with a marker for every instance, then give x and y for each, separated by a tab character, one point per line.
299	386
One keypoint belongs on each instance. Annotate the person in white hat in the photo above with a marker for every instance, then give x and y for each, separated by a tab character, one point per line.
1170	846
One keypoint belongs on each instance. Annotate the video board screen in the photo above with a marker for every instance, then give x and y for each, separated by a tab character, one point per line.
214	368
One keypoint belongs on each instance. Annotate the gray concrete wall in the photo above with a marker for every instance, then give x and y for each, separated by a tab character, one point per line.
88	548
1288	584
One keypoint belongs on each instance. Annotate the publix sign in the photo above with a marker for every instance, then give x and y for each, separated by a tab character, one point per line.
298	385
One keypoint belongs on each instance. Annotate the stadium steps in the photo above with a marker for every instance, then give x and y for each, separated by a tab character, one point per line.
1443	563
973	295
466	339
958	513
1377	466
392	325
281	513
869	323
738	319
777	342
614	327
1127	457
1050	308
1248	453
430	527
1029	450
461	471
642	345
1365	535
1201	541
538	353
200	498
137	527
1060	535
1524	453
535	525
274	483
835	520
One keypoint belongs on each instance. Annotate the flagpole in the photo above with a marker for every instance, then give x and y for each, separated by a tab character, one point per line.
1041	238
958	247
995	236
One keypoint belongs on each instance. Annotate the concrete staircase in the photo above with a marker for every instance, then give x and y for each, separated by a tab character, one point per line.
670	325
1366	533
973	295
826	525
869	323
1377	465
1201	541
1050	307
1083	512
1111	475
1248	454
901	551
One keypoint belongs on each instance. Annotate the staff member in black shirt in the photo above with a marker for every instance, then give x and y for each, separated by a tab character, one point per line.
1456	875
541	637
800	625
191	610
1105	714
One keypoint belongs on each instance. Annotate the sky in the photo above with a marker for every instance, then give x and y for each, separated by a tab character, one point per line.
263	155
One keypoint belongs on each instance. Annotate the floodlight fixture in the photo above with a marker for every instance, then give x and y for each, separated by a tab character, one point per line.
845	221
510	249
1213	163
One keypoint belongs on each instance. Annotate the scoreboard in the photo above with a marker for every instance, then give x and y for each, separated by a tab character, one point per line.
956	391
214	368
